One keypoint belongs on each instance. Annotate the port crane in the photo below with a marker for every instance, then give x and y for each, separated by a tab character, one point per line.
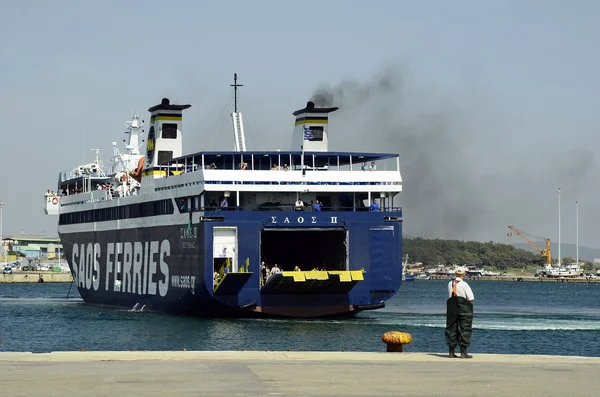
545	252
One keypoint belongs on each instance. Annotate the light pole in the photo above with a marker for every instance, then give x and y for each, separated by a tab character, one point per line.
558	227
577	229
1	240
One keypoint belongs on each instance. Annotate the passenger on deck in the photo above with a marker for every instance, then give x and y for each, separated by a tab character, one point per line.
373	167
317	206
213	166
275	270
224	204
213	205
374	206
297	269
285	167
365	166
215	279
244	166
263	273
299	205
275	167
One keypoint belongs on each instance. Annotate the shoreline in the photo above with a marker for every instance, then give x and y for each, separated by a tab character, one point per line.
515	278
33	277
50	277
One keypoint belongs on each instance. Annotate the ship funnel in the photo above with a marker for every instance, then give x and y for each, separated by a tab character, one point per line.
164	140
310	128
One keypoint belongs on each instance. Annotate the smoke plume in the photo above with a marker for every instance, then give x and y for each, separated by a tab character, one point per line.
462	179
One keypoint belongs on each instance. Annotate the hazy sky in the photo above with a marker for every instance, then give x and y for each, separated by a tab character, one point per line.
491	105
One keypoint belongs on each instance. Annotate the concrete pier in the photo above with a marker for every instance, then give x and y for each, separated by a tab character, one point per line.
184	373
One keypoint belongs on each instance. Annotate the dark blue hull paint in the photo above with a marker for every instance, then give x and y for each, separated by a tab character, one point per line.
170	268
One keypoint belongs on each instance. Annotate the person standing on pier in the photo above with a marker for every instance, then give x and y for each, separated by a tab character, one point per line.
459	315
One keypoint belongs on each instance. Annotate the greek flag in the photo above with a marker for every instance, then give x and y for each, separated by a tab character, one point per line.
308	134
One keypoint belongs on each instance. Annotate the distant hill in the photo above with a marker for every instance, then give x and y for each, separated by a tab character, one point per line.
585	253
436	251
433	252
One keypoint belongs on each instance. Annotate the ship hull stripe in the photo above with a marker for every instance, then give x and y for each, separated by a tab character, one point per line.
165	118
311	121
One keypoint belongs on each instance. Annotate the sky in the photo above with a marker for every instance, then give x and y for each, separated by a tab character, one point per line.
492	106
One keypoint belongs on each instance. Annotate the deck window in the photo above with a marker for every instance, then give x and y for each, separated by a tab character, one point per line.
169	131
164	156
316	134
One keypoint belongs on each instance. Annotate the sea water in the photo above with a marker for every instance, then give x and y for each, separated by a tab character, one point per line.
510	317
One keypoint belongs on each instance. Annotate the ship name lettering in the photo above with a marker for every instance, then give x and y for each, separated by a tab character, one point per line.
299	220
129	267
86	265
334	219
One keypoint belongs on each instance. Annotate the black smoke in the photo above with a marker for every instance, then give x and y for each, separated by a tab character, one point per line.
462	178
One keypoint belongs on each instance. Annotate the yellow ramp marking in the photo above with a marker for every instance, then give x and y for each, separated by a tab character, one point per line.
344	275
357	275
316	275
297	276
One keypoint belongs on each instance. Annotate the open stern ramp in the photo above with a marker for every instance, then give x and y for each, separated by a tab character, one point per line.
312	282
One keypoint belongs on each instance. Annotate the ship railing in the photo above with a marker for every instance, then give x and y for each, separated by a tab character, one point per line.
268	177
288	208
315	183
66	176
322	161
179	169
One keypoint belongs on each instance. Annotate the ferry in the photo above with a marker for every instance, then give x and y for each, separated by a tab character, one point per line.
302	233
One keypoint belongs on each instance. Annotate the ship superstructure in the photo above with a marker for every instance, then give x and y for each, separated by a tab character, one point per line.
300	233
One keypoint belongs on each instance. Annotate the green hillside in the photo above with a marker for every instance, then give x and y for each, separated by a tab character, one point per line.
455	252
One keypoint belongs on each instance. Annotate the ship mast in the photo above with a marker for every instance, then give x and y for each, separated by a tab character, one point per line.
239	139
235	85
134	132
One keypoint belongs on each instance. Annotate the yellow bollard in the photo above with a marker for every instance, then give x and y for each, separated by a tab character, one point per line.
395	340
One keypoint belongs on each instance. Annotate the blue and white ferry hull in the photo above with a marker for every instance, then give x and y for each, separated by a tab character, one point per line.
172	268
189	233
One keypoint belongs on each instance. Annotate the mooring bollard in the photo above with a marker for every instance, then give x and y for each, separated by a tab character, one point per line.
395	340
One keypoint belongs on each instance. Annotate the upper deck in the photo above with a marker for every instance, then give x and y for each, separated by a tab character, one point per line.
252	179
282	171
308	172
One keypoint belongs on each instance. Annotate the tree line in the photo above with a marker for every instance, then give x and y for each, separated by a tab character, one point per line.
433	252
